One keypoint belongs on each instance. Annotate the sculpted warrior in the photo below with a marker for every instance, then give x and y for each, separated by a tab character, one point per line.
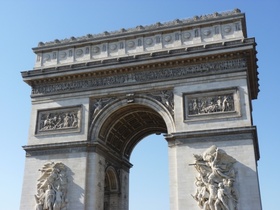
222	200
52	187
49	198
215	183
58	199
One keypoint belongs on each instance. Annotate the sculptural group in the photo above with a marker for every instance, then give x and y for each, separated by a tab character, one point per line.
211	104
52	187
58	120
215	183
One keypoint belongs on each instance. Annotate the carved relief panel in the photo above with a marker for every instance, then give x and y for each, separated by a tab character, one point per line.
59	120
221	103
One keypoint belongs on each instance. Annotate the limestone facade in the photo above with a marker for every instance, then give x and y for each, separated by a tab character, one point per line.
95	97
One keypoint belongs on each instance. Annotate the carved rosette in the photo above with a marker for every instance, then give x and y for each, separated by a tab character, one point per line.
215	181
52	187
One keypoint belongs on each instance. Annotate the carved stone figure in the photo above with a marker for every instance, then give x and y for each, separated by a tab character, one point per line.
215	182
221	201
97	108
52	187
231	194
166	98
211	104
58	120
202	194
98	105
58	199
49	198
40	199
225	105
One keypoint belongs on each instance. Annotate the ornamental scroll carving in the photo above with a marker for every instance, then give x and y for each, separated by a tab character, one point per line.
211	104
59	119
139	77
52	187
215	181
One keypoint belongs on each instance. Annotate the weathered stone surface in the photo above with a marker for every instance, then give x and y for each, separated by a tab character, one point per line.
192	80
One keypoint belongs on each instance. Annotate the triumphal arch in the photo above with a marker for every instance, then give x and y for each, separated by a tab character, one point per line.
95	97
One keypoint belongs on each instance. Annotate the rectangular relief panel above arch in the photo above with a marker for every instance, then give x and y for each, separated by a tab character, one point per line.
212	105
59	120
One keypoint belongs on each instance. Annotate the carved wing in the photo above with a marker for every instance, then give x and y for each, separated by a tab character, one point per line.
59	166
46	170
223	158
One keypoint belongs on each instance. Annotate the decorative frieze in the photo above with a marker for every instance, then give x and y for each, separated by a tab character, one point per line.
215	183
58	120
52	187
159	74
202	105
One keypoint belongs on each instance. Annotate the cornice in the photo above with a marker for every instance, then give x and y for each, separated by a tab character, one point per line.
98	68
190	33
77	147
228	134
210	133
57	148
100	74
171	25
206	38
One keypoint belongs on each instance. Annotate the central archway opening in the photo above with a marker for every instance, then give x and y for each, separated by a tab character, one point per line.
128	130
149	180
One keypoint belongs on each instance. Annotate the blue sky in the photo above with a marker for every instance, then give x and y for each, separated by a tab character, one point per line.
25	23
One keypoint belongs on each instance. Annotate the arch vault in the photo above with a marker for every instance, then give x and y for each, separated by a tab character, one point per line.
95	97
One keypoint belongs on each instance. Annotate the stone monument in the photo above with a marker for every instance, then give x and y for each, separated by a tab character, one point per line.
95	97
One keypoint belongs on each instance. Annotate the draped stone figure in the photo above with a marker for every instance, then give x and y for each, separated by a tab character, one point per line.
215	181
52	187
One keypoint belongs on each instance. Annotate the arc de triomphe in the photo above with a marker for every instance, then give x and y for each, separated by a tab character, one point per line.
95	97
